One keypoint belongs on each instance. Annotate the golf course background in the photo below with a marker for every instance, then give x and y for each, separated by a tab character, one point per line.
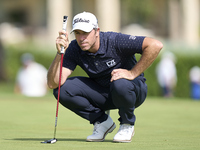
161	124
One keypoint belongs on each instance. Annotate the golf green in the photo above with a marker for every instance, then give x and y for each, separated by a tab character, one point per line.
161	124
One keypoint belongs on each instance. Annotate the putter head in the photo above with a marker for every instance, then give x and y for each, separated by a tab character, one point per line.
51	141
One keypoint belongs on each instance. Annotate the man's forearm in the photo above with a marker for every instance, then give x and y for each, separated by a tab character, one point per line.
53	73
149	54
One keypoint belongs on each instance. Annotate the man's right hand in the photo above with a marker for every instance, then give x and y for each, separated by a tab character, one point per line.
62	40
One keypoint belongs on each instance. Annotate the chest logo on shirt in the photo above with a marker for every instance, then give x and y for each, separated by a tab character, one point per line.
111	63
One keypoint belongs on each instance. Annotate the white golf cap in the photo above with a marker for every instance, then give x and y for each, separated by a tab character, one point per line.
84	21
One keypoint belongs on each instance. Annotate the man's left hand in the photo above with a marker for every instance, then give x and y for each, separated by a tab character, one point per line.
121	73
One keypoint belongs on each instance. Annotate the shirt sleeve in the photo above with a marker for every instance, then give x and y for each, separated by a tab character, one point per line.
70	58
129	44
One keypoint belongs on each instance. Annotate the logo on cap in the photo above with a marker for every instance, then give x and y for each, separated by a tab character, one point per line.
80	20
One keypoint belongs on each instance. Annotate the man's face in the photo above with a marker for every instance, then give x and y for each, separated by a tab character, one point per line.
87	40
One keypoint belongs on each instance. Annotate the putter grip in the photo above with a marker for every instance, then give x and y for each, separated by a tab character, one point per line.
64	27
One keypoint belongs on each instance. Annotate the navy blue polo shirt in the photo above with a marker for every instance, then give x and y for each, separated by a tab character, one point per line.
116	51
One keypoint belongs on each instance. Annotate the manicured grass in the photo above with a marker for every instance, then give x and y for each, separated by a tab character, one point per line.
161	124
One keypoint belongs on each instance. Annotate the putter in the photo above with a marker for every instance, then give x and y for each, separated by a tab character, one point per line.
54	140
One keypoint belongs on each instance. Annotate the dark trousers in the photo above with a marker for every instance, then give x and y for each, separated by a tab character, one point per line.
89	100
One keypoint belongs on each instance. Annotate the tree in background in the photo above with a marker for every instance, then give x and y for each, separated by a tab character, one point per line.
150	14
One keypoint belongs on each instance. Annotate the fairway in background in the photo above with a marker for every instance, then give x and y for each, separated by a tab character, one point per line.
160	124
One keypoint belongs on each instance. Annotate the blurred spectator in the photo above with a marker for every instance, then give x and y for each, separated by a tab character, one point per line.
166	74
195	82
2	59
31	78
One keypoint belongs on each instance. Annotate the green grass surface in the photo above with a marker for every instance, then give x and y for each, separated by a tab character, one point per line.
161	124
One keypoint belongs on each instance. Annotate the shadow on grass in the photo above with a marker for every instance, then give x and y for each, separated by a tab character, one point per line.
59	139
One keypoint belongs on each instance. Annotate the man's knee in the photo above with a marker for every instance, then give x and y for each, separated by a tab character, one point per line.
123	94
55	93
121	87
67	89
64	93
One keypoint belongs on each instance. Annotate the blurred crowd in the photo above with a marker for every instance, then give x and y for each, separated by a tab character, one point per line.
167	76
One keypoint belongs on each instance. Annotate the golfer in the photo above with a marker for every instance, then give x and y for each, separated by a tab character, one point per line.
115	79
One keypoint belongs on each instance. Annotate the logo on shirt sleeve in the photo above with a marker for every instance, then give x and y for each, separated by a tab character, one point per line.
132	37
111	63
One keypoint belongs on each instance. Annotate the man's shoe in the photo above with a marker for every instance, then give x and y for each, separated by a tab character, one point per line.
101	130
125	133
